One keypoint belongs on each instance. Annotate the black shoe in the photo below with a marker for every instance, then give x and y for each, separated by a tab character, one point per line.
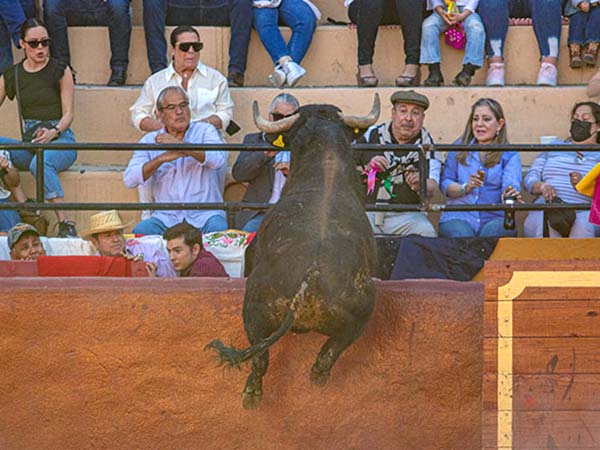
66	229
435	77
235	79
463	78
117	77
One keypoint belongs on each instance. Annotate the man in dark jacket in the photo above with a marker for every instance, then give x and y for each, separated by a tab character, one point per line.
264	171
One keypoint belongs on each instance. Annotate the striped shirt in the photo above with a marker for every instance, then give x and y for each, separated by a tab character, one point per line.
554	168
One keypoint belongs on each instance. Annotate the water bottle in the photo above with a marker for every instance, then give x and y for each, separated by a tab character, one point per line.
509	214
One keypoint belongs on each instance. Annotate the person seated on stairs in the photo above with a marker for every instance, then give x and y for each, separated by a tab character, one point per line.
24	243
446	16
234	13
9	179
584	32
115	14
301	16
547	22
368	15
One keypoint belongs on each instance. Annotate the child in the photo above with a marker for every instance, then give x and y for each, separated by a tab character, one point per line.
584	29
445	16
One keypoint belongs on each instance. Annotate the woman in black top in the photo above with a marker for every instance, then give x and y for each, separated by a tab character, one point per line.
46	91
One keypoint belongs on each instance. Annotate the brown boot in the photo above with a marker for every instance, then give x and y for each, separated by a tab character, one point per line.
591	51
575	61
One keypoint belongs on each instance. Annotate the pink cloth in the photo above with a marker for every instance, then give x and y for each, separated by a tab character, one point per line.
595	207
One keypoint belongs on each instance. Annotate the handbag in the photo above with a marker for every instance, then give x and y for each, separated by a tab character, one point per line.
29	134
561	220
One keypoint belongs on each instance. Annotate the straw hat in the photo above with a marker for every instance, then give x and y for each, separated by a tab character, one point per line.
104	222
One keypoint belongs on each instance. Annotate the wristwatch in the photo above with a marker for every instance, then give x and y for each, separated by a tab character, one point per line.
57	130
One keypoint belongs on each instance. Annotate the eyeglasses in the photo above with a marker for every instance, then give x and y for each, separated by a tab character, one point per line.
35	43
171	108
279	116
185	46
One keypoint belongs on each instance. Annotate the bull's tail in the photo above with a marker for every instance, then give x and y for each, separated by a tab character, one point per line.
233	357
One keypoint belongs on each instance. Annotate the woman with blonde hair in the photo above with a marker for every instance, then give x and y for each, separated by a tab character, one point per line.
480	177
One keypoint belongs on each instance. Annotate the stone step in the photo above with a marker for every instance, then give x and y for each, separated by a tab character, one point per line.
330	61
102	115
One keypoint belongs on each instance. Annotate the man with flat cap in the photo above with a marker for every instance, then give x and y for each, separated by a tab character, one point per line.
24	243
401	167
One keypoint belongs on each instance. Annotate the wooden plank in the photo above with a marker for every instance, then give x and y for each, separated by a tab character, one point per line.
573	430
547	392
547	355
551	318
499	273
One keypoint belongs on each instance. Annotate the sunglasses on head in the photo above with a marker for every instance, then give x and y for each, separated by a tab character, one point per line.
279	116
185	46
35	43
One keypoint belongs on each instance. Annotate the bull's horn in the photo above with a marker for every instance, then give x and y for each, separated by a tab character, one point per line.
269	126
364	121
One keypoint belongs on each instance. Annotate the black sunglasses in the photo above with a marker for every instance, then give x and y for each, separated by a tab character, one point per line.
279	116
185	46
35	43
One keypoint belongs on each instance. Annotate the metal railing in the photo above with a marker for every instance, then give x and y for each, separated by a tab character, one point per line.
424	205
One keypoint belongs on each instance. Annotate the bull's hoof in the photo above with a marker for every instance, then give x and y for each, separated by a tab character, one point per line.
319	378
251	400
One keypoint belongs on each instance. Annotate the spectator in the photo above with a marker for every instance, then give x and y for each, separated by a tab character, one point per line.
593	89
9	179
478	178
115	14
106	234
46	92
13	15
546	15
401	166
301	16
210	100
179	175
368	15
234	13
24	243
265	172
584	31
440	21
555	174
184	243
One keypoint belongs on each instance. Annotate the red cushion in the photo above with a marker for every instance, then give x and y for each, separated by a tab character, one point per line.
84	266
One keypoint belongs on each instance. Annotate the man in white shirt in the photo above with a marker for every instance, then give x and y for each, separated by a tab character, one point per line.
179	176
206	88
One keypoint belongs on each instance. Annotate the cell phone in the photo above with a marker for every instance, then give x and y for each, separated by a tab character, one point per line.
232	128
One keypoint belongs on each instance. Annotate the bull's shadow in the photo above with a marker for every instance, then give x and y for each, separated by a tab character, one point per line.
315	250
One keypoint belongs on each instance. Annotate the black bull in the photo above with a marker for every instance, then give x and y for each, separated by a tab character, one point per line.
315	251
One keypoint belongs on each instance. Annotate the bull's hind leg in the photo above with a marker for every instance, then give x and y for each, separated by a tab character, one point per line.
330	352
252	394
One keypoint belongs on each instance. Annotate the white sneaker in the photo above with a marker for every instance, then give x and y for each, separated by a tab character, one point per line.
495	75
277	78
548	75
293	73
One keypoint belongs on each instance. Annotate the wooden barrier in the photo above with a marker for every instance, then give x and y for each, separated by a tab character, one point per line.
541	385
119	364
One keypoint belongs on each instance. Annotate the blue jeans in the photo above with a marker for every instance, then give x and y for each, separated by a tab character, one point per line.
12	15
8	218
253	224
298	16
54	161
155	226
430	39
234	13
456	228
584	27
546	15
115	14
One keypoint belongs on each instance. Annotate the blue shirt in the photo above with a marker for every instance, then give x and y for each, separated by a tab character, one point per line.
497	178
185	179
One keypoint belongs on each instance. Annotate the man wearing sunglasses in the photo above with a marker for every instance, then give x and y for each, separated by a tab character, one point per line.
115	14
234	13
179	176
13	14
264	171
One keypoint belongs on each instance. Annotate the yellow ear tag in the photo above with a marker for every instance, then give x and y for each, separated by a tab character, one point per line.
279	142
356	130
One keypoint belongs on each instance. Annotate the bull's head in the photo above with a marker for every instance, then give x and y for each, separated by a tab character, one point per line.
283	125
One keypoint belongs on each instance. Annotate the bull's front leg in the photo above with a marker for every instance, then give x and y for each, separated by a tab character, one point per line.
252	394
